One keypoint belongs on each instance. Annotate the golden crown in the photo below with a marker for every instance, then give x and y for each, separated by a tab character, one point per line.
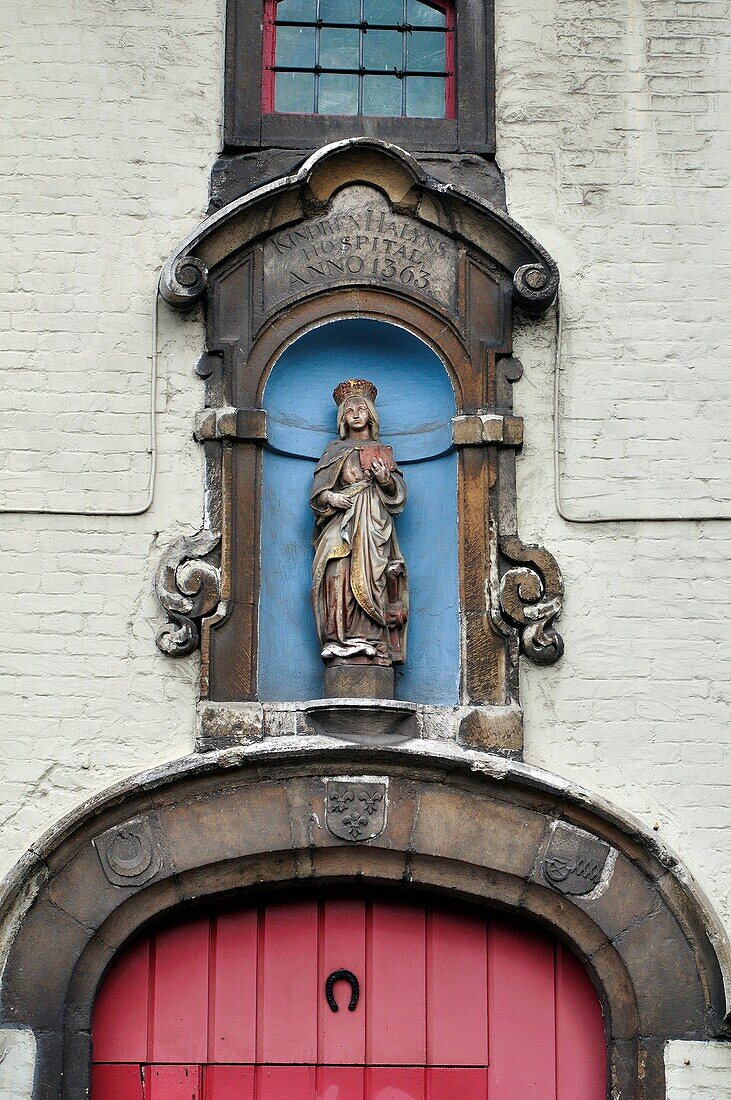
354	387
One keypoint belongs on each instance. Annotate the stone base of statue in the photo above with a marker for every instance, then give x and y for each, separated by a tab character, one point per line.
356	681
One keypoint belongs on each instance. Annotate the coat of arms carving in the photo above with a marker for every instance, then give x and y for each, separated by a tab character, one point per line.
574	861
129	853
355	810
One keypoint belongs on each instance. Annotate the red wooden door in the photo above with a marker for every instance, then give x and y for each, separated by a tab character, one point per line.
454	1004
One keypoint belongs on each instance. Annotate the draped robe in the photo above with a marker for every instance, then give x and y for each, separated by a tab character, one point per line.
353	550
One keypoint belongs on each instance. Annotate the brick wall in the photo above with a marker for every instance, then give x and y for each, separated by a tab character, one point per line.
614	136
698	1071
110	119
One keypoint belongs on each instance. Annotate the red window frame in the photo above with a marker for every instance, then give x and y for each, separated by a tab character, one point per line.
269	49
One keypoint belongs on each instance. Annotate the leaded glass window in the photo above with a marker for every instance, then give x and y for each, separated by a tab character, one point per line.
359	57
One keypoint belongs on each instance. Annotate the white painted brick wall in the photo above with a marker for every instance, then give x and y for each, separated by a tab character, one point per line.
614	135
612	128
698	1071
110	117
109	121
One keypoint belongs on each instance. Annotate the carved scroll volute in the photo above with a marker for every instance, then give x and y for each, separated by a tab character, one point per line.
188	588
531	599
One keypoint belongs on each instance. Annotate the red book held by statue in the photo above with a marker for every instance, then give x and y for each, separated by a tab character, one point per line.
373	451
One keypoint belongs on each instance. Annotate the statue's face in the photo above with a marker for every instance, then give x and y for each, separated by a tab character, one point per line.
356	414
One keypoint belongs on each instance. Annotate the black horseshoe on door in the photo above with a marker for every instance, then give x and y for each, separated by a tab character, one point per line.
345	976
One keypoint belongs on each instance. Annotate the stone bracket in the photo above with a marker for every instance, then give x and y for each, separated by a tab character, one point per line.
531	599
189	588
244	425
479	429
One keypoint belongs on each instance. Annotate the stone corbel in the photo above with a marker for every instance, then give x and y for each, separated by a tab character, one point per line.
531	599
244	425
479	429
188	587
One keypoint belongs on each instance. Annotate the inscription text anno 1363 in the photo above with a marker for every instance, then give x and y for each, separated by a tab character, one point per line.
356	246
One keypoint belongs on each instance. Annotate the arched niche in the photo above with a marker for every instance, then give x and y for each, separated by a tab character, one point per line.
360	233
416	405
247	821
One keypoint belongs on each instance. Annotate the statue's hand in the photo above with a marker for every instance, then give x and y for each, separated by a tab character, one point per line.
381	471
337	500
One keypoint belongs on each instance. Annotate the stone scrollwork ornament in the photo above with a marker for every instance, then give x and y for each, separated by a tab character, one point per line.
188	587
184	281
531	599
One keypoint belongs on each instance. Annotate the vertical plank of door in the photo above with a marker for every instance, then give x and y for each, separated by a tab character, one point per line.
285	1083
340	1082
395	1083
180	993
173	1083
396	985
456	988
119	1028
341	1034
228	1083
521	1012
116	1083
580	1043
450	1083
232	1006
288	986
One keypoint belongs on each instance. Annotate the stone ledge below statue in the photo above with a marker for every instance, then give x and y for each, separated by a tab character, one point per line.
370	722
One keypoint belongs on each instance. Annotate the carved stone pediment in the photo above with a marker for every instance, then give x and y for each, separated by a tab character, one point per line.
308	193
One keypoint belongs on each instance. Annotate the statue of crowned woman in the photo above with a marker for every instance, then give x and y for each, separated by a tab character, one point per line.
359	583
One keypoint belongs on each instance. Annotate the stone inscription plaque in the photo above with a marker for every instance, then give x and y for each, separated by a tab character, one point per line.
360	242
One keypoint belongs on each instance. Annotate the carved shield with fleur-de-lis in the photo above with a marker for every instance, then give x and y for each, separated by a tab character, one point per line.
355	811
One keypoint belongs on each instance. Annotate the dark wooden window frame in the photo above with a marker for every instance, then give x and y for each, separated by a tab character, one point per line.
470	130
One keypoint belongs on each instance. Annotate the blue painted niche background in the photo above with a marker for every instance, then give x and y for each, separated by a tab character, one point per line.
415	404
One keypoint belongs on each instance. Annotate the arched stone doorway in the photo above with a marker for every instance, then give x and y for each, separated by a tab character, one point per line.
348	996
473	829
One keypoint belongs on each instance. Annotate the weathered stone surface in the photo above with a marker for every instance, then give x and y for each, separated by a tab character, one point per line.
504	835
42	977
491	730
679	1010
220	725
360	240
360	718
358	682
227	825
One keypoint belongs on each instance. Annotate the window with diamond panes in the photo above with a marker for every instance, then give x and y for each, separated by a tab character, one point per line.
388	58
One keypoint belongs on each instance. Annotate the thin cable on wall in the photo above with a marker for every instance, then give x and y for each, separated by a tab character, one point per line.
557	455
151	450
